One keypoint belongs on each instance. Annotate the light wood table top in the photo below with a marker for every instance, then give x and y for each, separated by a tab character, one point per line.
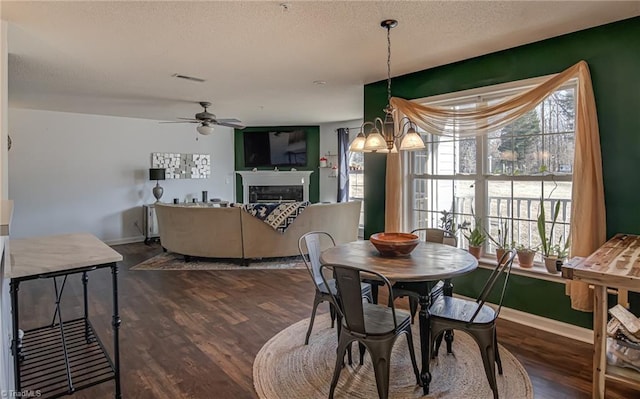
427	262
41	255
616	264
6	213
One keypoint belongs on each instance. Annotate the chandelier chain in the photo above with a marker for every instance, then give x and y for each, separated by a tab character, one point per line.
388	64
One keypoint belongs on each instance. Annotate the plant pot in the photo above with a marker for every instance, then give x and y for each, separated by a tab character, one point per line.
525	258
499	253
475	251
550	264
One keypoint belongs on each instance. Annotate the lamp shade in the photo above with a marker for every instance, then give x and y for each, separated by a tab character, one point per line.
156	174
375	141
205	129
412	141
357	145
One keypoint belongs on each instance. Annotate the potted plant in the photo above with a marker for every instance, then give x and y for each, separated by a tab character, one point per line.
448	223
551	252
501	240
476	238
525	255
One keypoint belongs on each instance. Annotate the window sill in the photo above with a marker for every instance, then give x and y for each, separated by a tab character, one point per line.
537	271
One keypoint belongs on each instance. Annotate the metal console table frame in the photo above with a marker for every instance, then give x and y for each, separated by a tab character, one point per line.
64	356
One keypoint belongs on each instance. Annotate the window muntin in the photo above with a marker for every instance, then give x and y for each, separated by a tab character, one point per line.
529	159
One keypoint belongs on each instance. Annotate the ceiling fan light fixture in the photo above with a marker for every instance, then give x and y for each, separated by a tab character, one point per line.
205	129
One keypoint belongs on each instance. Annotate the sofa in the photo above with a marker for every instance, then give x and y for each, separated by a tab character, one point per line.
211	232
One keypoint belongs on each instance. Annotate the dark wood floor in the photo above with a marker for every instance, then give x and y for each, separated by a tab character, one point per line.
194	334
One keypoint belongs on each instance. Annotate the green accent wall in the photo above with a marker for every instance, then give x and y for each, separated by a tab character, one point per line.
613	54
313	155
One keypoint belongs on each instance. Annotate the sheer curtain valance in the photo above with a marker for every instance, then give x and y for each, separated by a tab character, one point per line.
588	222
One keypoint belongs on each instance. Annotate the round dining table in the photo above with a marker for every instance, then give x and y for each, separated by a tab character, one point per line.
419	271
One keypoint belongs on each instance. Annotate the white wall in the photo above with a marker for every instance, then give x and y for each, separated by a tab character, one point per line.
329	144
6	323
89	173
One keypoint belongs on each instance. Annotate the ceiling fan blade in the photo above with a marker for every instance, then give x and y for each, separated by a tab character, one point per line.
182	122
230	123
191	119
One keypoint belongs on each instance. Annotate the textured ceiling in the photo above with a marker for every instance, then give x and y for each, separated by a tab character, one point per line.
259	59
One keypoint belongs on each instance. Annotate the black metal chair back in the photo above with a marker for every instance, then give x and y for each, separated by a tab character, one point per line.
502	270
310	246
439	236
348	280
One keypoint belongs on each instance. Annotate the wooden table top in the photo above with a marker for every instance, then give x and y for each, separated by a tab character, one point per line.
41	255
616	263
427	262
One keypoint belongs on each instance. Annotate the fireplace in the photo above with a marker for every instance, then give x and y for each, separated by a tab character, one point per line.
275	186
275	193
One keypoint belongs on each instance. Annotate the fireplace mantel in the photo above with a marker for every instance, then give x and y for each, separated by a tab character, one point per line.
275	178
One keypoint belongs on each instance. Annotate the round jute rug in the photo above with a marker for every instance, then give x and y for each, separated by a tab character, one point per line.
286	368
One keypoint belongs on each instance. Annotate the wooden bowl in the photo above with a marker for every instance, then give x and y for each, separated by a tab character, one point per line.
394	244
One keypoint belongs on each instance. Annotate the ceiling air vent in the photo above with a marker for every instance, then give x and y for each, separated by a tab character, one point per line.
191	78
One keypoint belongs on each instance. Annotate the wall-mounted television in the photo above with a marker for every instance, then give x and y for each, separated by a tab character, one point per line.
275	148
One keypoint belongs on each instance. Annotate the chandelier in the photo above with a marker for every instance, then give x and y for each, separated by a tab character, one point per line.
382	139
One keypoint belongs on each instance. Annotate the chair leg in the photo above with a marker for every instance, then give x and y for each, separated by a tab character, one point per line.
436	346
412	353
342	347
447	290
488	352
381	357
448	338
413	307
363	349
349	355
332	313
495	345
339	328
316	302
374	292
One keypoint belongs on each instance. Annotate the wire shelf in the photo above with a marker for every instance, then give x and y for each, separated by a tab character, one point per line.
43	367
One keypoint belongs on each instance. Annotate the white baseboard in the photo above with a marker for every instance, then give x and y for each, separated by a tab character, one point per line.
549	325
542	323
126	240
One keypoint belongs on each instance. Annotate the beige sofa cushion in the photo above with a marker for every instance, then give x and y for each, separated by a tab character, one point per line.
200	231
259	240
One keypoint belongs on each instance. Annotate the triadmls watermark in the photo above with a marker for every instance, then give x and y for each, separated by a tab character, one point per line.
28	393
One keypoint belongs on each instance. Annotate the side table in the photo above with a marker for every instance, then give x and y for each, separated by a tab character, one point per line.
64	356
615	265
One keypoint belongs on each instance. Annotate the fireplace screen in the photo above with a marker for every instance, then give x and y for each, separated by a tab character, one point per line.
275	193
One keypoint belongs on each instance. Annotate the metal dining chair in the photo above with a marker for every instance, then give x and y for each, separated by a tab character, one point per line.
310	246
373	326
475	318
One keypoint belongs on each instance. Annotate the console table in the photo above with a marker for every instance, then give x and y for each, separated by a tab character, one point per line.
66	355
614	264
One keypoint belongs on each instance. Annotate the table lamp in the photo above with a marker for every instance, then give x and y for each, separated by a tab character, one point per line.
157	174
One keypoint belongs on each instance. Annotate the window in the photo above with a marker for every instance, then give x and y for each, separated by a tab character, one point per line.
500	177
356	184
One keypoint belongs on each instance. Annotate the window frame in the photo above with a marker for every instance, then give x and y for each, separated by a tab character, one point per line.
481	177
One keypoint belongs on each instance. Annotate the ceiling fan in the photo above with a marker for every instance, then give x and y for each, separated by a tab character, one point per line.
206	120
